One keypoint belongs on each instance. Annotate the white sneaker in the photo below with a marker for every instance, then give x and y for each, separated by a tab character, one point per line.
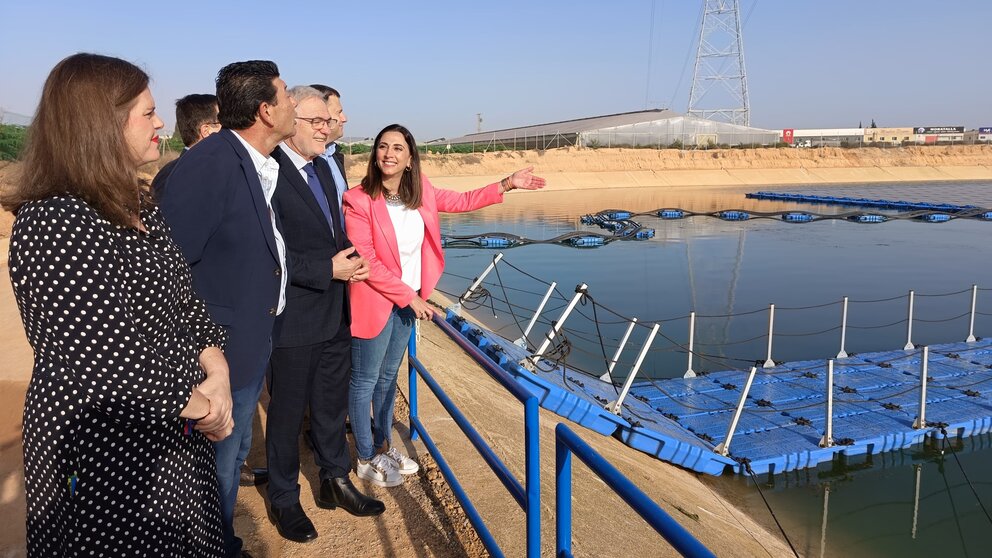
401	463
379	471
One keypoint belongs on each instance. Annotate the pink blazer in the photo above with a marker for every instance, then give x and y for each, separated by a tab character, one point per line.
371	231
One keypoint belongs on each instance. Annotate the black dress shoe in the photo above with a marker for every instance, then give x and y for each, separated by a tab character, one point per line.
293	524
253	476
339	492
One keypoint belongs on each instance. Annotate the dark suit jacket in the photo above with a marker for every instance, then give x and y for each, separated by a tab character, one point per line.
338	157
315	304
215	208
158	183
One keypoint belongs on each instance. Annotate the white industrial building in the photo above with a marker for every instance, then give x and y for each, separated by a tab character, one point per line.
646	128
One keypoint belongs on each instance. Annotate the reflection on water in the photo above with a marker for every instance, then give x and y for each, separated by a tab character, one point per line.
724	270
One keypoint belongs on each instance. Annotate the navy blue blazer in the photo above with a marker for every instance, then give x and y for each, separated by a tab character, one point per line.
215	208
316	305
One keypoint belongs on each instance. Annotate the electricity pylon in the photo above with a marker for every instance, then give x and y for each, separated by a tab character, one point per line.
719	80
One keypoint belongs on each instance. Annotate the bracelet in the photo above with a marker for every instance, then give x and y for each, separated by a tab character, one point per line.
209	410
506	184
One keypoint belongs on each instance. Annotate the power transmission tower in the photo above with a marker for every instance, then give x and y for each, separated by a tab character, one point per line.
719	80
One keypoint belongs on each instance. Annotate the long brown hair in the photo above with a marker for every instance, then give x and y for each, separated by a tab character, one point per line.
411	189
76	143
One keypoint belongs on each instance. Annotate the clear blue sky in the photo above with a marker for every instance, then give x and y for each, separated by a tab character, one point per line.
434	65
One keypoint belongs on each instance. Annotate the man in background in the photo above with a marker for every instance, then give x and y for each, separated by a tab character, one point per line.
333	154
196	118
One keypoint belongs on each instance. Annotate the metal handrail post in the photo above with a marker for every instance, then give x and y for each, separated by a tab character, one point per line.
522	342
689	372
828	435
531	361
532	475
568	442
921	421
563	498
724	447
843	331
633	371
475	284
971	326
608	377
412	354
769	363
909	328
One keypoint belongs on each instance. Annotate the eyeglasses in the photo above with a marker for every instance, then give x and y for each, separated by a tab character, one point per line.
318	123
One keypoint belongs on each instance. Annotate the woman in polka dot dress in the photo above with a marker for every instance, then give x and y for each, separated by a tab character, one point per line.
129	381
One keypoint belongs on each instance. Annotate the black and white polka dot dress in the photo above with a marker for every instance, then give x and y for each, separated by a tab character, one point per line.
110	468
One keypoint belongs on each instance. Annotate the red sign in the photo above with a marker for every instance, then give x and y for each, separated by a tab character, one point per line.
787	135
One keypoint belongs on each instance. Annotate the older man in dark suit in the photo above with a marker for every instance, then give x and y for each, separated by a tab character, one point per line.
218	204
311	363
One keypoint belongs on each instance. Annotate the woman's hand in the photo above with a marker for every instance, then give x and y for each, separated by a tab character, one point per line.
421	309
218	422
524	180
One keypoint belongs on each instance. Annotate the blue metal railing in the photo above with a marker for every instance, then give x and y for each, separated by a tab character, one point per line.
567	443
528	495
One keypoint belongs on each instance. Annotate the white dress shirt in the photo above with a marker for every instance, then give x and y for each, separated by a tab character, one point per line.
268	174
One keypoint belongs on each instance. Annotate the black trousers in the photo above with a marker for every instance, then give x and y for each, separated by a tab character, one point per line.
314	376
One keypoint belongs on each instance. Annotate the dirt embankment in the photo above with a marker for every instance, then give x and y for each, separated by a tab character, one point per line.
580	169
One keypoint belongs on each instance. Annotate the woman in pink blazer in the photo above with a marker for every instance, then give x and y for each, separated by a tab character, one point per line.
392	219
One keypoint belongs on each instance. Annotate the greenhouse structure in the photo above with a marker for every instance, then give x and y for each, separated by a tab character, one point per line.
656	128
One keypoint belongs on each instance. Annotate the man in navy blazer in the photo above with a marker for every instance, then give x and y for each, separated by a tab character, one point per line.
310	366
218	205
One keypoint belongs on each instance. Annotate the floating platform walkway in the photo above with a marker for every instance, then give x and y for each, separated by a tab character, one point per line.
861	202
772	418
782	423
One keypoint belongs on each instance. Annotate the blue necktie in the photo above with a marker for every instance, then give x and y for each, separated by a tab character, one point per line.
318	192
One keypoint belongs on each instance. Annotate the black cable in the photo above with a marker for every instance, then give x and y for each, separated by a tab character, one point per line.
965	474
747	467
507	300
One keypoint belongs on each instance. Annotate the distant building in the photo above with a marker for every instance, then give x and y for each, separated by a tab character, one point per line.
647	128
933	135
825	137
889	136
984	134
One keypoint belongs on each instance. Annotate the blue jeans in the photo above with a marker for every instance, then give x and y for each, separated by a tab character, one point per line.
374	365
231	452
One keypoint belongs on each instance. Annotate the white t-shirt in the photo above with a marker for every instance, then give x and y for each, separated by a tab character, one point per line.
409	227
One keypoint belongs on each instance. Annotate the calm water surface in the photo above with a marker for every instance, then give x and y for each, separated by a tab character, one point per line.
729	273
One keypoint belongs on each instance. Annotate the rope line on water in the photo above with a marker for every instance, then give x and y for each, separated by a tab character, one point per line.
964	473
747	467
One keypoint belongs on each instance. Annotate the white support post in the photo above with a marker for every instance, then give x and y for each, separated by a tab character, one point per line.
530	363
769	363
633	371
689	372
522	342
971	326
843	331
921	421
724	447
608	377
828	434
909	327
475	284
